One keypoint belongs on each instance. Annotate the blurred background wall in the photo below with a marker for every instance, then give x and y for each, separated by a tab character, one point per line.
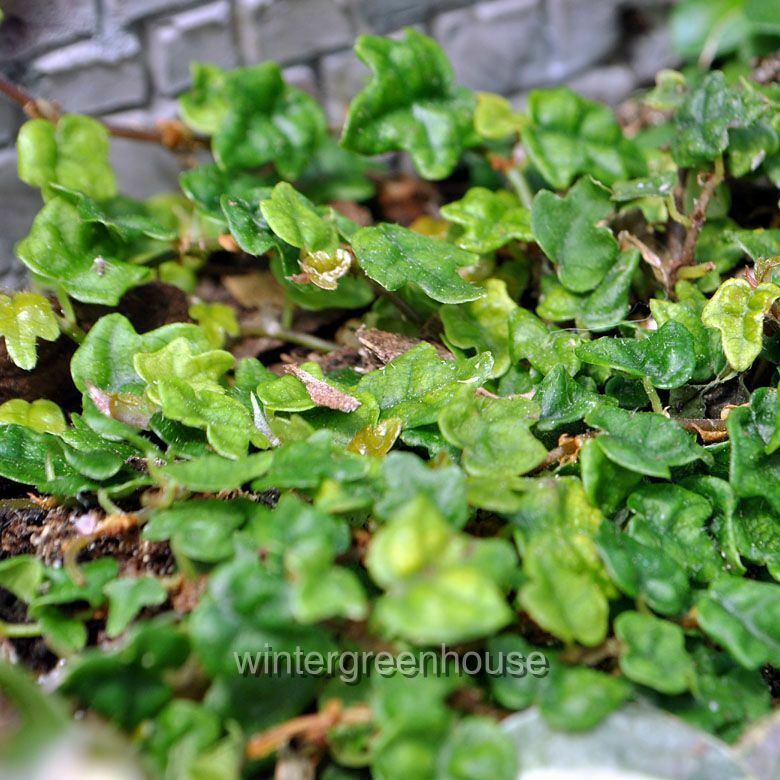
128	59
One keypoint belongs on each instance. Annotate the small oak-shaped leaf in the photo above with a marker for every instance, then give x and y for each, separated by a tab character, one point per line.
218	321
483	324
737	310
66	252
744	617
127	597
478	748
294	218
493	433
211	473
666	357
494	117
412	104
703	121
394	256
754	469
544	348
644	442
489	220
569	135
416	385
21	575
204	106
247	225
105	357
606	483
563	399
177	360
567	228
23	318
42	416
706	341
602	309
643	571
73	152
207	185
653	652
267	121
673	519
126	218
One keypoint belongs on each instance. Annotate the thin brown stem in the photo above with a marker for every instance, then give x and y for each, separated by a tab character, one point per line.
697	218
309	728
171	134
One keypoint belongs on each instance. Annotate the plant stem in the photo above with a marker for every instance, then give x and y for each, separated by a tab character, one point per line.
68	323
292	337
655	401
521	187
20	630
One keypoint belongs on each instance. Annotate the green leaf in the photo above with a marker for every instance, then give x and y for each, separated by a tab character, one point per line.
127	597
644	442
267	121
23	318
493	433
478	749
567	228
578	699
207	185
437	588
294	219
411	104
494	117
416	385
569	136
666	357
706	341
673	520
105	357
699	23
489	220
607	484
643	571
653	652
482	324
218	321
743	616
602	309
754	469
211	473
405	476
201	530
125	218
703	121
22	575
63	589
205	105
543	347
74	255
72	152
563	399
247	225
394	256
737	310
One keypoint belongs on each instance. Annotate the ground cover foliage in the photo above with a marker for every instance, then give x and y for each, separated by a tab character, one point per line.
308	402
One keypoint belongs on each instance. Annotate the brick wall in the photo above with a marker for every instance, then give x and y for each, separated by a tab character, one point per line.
128	59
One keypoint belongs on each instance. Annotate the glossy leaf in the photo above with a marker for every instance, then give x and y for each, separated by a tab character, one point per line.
567	228
411	103
23	318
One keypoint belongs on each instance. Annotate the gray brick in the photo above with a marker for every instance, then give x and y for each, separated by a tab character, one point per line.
582	33
608	83
20	204
203	33
499	46
383	16
93	76
343	76
292	31
651	52
303	77
11	118
29	26
125	11
144	169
